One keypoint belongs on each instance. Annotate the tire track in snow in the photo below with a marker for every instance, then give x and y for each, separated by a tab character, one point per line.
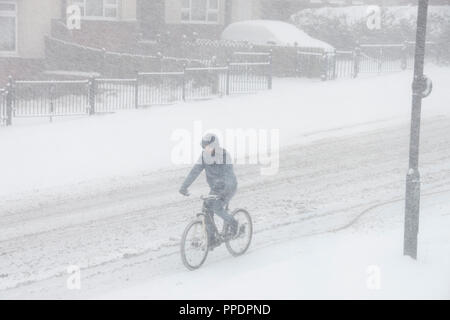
314	192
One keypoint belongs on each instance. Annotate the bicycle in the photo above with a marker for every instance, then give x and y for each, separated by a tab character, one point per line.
195	244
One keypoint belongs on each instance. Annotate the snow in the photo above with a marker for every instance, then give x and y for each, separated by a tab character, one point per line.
100	192
362	262
72	73
264	32
354	14
39	155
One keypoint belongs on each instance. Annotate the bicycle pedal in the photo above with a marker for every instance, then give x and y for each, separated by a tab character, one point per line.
213	246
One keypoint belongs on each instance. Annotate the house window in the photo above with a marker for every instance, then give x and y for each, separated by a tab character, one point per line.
8	27
200	11
98	9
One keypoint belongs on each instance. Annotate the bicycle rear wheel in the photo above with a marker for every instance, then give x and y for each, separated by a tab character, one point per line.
239	245
194	245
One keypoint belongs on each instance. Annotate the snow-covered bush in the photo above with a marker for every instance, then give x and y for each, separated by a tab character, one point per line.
343	27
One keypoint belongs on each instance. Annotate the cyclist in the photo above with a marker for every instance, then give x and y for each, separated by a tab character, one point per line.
221	179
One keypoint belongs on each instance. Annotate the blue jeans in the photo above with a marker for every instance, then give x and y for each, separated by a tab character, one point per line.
220	206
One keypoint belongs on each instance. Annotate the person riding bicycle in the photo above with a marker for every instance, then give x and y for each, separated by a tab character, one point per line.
220	177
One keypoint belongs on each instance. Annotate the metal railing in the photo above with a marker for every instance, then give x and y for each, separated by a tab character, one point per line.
160	88
249	71
369	58
344	64
105	95
205	83
3	107
247	77
114	94
383	58
311	64
50	98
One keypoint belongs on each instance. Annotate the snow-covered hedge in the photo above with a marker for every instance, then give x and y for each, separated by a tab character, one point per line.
344	26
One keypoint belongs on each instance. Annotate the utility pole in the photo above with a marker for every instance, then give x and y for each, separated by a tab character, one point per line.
421	88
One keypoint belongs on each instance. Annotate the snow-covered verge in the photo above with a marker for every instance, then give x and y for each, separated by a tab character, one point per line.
362	262
37	155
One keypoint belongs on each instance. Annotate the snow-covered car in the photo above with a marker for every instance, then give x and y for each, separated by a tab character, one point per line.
271	32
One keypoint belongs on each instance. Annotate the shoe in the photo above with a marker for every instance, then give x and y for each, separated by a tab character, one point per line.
240	232
233	230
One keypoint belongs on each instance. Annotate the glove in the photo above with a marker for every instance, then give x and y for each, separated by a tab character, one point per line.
184	192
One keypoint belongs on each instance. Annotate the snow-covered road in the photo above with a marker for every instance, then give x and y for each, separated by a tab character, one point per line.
100	193
125	232
363	261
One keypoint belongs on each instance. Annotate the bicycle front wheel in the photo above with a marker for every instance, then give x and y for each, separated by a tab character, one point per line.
194	245
240	244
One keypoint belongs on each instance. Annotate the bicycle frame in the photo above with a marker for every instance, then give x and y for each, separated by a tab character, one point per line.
208	219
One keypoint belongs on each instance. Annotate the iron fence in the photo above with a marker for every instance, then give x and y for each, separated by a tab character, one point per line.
114	94
205	83
297	61
50	98
245	72
310	64
376	58
160	88
343	64
249	71
105	95
3	107
247	77
351	63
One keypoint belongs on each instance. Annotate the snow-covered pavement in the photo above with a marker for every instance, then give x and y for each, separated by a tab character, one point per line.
121	223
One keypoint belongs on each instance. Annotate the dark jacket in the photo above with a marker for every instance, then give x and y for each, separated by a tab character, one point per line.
218	169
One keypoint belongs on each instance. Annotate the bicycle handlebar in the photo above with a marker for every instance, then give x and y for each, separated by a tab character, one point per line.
209	197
